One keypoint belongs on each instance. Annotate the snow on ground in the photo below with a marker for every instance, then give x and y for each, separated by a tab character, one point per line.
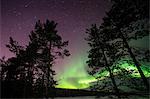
105	97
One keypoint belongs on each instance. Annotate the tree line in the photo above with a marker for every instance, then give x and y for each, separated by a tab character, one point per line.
32	65
127	20
29	73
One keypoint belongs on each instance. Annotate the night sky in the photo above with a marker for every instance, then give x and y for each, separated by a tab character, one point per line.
72	16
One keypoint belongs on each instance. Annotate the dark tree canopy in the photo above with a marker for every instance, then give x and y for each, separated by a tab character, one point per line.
32	65
126	20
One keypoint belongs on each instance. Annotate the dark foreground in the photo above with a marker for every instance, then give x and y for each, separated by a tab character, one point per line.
19	90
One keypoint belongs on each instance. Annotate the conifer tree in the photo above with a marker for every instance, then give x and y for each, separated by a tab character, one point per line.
37	58
100	54
128	20
50	47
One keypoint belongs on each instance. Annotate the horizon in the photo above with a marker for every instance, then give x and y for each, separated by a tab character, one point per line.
73	18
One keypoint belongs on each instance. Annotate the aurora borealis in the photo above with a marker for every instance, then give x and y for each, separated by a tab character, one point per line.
73	17
75	75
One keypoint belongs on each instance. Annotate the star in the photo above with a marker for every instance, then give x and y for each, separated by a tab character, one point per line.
28	4
72	16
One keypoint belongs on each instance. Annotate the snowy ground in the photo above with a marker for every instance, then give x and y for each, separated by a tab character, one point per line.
106	97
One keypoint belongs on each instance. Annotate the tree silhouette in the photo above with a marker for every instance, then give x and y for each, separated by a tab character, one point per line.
14	47
3	68
100	54
50	47
128	20
32	65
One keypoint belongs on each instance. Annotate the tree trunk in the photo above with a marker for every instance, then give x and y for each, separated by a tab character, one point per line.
24	88
111	75
109	70
48	68
137	64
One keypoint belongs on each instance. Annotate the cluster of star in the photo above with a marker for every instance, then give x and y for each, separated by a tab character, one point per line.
72	16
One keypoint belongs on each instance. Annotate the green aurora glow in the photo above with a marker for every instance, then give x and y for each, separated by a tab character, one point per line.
78	78
75	75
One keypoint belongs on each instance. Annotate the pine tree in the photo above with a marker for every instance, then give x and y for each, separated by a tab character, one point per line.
50	47
37	58
14	62
14	47
127	20
3	68
100	54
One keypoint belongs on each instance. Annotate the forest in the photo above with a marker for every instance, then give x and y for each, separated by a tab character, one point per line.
118	68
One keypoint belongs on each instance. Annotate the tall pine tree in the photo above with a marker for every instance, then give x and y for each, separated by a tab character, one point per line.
34	62
51	46
127	20
100	54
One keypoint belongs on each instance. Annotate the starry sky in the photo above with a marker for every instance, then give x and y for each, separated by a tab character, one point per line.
72	16
18	18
